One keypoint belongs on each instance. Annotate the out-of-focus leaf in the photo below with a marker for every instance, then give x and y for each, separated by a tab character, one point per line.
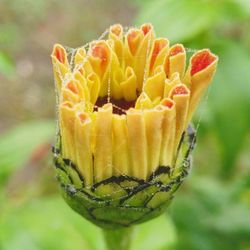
234	220
47	224
157	234
229	101
237	7
6	65
244	4
17	144
207	217
179	20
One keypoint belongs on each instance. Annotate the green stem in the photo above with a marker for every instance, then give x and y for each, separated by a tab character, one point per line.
118	238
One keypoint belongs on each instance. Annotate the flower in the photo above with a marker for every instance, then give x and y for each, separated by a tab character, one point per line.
124	105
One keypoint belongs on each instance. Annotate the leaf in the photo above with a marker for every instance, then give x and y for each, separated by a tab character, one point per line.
17	144
179	20
232	220
229	101
156	234
6	65
47	224
207	217
244	4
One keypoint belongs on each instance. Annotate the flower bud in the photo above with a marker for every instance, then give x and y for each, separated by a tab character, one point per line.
123	141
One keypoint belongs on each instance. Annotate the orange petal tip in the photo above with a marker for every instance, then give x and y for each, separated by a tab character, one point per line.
146	27
179	89
116	29
176	49
201	60
60	53
167	103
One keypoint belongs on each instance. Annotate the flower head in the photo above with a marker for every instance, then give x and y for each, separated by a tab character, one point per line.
124	108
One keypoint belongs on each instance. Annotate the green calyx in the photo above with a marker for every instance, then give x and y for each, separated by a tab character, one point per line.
122	201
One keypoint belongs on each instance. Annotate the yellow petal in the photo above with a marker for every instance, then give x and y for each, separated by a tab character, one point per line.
158	54
137	143
168	131
116	34
93	82
200	73
153	122
170	83
60	64
103	144
121	162
176	61
67	121
82	147
128	86
154	86
143	102
180	94
141	59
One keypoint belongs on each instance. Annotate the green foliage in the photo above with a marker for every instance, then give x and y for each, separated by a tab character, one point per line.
229	102
210	217
178	20
17	144
47	224
146	238
6	65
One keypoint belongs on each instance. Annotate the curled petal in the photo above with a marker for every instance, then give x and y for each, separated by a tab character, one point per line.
159	52
146	28
59	53
154	85
201	70
128	86
201	60
100	57
170	83
60	65
134	38
181	95
176	60
116	30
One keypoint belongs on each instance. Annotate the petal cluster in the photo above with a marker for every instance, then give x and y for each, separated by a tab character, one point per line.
125	102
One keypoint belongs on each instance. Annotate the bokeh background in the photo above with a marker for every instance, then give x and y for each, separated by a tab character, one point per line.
211	211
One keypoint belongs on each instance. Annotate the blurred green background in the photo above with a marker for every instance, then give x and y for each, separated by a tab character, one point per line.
211	210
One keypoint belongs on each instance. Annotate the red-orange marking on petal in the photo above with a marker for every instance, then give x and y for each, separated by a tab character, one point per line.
133	40
176	49
167	102
116	29
83	117
60	55
100	51
179	90
67	104
146	28
158	46
72	87
201	60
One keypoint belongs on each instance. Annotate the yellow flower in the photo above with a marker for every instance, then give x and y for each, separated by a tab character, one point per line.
124	106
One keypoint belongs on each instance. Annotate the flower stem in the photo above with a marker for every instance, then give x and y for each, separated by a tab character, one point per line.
118	238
